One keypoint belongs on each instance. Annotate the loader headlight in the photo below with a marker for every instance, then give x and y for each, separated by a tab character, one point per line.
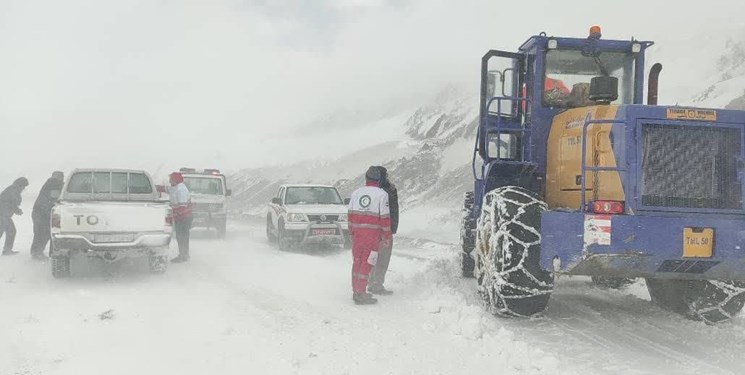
636	48
553	44
296	218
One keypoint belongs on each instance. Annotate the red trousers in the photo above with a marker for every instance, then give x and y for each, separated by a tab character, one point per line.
361	270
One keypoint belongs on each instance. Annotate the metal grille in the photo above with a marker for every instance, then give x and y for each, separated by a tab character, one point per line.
690	167
323	218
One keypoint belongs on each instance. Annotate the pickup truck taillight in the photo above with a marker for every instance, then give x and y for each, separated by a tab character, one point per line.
169	218
56	221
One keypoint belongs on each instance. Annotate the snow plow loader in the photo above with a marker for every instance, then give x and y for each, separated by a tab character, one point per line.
576	175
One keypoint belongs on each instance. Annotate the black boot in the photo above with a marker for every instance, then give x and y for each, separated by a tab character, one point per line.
380	290
363	299
39	256
180	259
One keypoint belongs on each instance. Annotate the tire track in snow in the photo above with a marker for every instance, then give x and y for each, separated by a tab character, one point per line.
621	326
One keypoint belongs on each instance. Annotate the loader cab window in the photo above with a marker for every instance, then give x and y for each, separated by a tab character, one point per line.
502	81
504	146
568	75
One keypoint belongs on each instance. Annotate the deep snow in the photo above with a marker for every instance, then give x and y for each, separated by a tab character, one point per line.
241	306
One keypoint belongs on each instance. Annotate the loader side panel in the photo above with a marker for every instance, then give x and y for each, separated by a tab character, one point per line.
564	158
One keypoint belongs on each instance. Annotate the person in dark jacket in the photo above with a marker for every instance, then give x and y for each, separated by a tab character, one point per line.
10	202
42	214
384	255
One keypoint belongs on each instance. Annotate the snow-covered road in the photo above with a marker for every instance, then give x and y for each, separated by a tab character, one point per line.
241	306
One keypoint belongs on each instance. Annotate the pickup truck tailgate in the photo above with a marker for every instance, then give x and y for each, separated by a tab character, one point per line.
92	217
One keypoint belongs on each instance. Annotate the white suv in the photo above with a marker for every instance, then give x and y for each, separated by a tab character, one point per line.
307	214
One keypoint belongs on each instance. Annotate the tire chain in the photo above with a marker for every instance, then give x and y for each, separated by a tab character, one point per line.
499	279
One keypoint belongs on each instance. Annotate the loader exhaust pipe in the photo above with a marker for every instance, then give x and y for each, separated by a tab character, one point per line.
654	77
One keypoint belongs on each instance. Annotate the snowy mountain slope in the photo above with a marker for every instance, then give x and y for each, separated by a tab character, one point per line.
737	103
430	165
724	83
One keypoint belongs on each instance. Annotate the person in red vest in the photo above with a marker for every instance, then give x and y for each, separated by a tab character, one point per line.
370	230
182	215
555	92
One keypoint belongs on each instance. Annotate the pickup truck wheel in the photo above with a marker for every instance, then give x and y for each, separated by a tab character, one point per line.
612	282
508	245
711	301
158	264
282	240
60	267
270	236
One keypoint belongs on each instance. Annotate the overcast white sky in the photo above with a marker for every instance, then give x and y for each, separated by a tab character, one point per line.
142	83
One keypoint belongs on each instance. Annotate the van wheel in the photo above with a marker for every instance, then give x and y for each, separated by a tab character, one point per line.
221	230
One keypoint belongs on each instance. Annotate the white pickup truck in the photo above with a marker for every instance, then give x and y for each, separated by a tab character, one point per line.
110	214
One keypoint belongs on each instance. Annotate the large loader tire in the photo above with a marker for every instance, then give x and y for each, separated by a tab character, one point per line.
467	240
711	301
612	282
508	245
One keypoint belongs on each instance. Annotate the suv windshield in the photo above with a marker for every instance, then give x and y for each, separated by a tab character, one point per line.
312	195
204	185
568	74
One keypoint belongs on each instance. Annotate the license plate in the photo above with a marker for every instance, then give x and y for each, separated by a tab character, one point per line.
113	238
323	232
698	242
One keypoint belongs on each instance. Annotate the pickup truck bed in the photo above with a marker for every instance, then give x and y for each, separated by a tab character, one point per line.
110	214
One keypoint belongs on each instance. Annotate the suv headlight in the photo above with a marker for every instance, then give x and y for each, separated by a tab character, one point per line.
296	217
343	218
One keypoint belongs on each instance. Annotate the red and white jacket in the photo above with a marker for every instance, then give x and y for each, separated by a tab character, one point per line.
180	198
369	217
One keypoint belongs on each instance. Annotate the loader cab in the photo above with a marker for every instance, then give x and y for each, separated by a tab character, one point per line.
522	92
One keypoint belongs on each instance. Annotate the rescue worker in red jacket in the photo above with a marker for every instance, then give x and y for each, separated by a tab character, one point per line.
555	92
370	229
180	199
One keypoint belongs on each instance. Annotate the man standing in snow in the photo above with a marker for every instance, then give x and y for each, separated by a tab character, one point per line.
10	202
42	214
182	216
370	229
384	255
